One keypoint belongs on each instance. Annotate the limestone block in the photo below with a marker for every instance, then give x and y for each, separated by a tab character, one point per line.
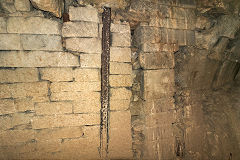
10	42
119	104
88	13
37	90
120	139
33	25
24	104
153	106
5	91
84	96
3	25
22	5
120	93
92	106
120	68
87	45
53	108
7	106
41	42
121	40
160	119
90	60
12	137
86	75
53	6
118	54
156	77
75	86
37	59
56	74
178	13
8	6
156	60
19	75
120	28
59	133
69	120
177	23
120	80
190	38
21	119
48	146
6	122
80	29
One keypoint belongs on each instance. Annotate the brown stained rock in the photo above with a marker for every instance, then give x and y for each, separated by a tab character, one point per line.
53	6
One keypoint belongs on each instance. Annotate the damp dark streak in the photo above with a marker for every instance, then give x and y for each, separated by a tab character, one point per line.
105	57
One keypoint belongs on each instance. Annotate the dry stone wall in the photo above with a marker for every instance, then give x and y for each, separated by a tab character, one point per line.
50	86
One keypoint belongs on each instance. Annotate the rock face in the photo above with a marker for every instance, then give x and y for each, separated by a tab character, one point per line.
53	6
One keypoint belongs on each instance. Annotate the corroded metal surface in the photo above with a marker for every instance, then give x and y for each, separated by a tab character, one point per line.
104	130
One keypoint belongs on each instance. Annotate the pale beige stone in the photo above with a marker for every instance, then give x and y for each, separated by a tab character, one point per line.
83	14
25	104
53	6
12	137
120	138
120	93
92	106
3	25
64	96
120	28
157	77
86	45
6	123
59	133
90	60
119	104
33	25
37	59
69	120
53	108
5	91
118	54
75	86
56	74
21	118
86	75
80	29
120	80
41	42
19	75
10	42
48	146
35	89
120	68
22	5
7	106
121	39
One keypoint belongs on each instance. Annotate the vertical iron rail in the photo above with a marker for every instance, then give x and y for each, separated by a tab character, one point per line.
105	107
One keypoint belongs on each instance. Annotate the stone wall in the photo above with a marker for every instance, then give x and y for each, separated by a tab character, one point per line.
50	85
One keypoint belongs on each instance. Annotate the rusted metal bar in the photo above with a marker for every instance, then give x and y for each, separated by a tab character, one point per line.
105	107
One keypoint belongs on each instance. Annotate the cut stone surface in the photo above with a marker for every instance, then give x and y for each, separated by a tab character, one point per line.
75	96
33	25
80	29
121	40
10	42
120	80
85	75
90	60
120	68
92	106
86	45
118	54
53	108
120	93
7	106
19	75
89	14
75	86
37	59
120	28
3	25
41	42
56	74
122	104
